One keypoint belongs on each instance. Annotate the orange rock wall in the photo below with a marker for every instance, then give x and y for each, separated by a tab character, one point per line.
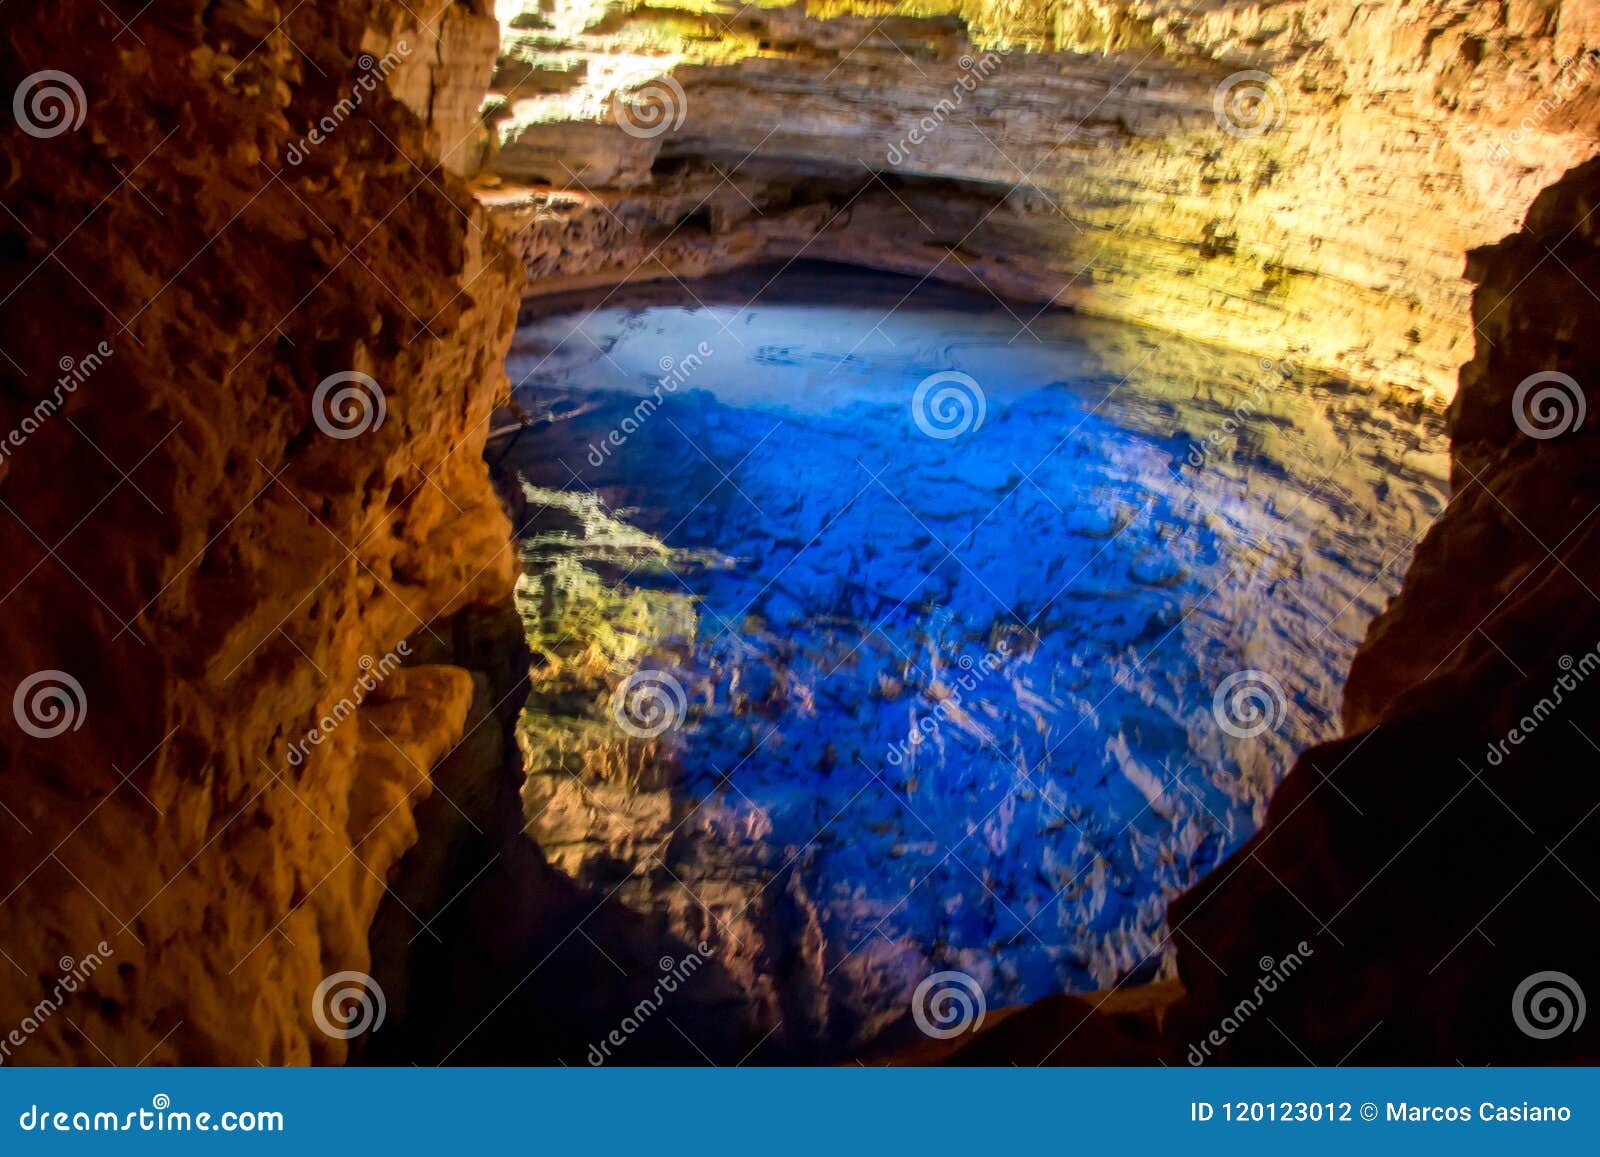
208	572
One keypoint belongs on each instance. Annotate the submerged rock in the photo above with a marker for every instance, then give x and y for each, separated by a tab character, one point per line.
899	690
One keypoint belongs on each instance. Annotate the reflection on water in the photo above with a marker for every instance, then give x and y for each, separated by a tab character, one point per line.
879	635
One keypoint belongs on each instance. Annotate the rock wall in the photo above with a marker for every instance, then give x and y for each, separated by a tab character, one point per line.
1429	869
252	333
1255	175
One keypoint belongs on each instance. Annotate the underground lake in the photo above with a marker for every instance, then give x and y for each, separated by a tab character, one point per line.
904	651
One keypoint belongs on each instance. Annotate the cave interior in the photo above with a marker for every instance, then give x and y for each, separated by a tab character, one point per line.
977	531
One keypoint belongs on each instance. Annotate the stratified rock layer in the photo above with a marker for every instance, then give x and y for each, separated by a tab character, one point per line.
219	557
1071	152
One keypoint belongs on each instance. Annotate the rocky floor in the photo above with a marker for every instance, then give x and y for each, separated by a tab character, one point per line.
883	630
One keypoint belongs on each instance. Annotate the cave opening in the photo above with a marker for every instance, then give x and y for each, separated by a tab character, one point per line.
883	632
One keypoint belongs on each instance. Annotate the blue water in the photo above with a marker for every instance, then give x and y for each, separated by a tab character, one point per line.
951	700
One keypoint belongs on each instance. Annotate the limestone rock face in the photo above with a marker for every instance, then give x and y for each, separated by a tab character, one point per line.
253	331
1429	868
1471	716
443	81
1264	176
